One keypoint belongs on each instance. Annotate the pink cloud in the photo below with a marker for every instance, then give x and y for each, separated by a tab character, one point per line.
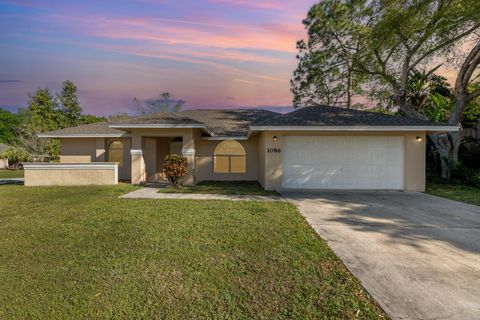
174	32
264	4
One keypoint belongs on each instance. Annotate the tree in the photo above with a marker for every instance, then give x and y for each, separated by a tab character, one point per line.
41	111
407	34
165	102
466	91
8	122
90	118
41	115
400	36
69	107
119	116
45	113
15	154
325	74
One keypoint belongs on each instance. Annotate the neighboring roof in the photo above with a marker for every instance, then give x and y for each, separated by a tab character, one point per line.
217	122
97	129
324	116
3	146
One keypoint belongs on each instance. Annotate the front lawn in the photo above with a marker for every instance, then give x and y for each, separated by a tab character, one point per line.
7	174
456	192
223	187
83	253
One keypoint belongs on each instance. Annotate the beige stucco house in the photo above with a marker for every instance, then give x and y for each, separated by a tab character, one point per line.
309	148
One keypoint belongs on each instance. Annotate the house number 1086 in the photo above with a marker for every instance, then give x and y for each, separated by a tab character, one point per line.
274	150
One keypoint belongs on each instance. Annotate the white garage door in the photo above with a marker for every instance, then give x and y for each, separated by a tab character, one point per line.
342	162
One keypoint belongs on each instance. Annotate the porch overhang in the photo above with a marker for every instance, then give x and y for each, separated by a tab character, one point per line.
122	126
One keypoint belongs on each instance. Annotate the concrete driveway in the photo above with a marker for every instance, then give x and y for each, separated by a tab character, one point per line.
416	254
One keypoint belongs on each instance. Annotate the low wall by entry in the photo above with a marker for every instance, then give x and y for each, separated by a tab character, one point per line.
70	174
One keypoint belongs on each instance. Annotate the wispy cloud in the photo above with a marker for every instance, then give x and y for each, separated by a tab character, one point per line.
246	81
9	81
116	49
263	4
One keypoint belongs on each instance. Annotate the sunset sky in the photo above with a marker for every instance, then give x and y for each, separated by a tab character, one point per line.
211	53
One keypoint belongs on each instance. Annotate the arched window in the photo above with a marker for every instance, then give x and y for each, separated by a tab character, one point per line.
229	157
115	152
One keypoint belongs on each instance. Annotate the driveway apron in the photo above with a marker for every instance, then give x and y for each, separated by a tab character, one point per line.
417	255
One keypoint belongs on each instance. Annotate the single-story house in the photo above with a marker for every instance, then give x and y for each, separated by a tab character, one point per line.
3	162
309	148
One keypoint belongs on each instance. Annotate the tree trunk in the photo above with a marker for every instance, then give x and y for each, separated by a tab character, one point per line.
448	146
349	88
444	147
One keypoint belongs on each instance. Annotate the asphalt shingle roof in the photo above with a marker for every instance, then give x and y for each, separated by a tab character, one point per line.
225	122
221	122
334	116
97	128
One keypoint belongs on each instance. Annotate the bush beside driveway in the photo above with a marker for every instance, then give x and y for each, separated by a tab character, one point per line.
81	252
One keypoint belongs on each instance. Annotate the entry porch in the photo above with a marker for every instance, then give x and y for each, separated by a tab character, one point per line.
149	149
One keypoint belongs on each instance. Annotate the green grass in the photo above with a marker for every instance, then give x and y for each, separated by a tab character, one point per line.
83	253
223	187
456	192
6	174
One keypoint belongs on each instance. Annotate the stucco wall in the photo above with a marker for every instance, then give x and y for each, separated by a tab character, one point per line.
414	156
262	166
77	150
125	171
261	158
150	156
70	175
204	161
414	162
84	150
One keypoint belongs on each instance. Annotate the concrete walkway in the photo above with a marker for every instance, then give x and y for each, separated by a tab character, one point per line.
16	181
418	255
152	193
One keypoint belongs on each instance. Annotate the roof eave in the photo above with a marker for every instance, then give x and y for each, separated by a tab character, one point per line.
357	128
216	138
160	126
83	135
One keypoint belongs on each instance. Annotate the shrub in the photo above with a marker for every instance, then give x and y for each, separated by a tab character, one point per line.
15	154
474	179
465	175
175	168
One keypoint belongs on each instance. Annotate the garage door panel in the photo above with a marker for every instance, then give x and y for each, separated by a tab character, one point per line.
343	162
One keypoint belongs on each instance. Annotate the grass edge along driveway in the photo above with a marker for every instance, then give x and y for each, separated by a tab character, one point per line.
81	252
455	192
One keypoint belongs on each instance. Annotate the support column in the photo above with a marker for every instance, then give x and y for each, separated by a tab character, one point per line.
188	151
138	162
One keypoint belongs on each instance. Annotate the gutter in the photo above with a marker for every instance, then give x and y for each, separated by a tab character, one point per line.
357	128
84	135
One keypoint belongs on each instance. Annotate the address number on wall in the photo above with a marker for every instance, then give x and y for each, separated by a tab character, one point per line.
274	150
